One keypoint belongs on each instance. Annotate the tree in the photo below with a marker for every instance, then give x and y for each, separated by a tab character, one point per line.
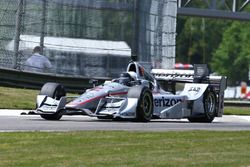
197	38
232	57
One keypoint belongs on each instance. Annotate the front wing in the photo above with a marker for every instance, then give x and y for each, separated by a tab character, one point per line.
112	107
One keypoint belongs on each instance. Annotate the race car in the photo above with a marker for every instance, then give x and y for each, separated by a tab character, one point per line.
141	95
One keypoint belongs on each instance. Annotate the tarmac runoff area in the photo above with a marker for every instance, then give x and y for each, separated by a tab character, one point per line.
12	121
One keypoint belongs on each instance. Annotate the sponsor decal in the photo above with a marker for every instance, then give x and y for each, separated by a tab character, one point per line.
48	108
194	89
164	102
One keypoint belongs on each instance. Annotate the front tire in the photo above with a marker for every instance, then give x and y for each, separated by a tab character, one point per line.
55	91
144	109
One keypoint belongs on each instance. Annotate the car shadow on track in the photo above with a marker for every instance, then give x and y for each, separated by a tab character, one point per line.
96	120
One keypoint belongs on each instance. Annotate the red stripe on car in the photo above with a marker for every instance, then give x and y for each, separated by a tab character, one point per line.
96	98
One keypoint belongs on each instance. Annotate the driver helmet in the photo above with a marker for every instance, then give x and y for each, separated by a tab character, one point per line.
127	77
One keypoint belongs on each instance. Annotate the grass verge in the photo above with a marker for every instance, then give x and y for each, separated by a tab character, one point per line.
237	111
16	98
113	148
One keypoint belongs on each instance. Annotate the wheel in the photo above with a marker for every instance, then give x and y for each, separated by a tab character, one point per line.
56	91
144	109
209	106
53	90
105	117
209	101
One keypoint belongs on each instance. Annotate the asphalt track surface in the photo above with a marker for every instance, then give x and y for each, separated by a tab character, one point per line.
12	121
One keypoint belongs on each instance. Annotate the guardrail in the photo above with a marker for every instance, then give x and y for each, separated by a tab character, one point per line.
236	103
16	78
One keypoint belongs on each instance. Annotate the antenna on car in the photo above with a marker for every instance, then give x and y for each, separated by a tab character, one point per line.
94	82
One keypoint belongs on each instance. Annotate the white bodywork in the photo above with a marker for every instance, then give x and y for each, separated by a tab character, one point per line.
111	100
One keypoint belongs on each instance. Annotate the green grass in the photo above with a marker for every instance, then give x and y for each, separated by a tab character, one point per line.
113	148
16	98
237	111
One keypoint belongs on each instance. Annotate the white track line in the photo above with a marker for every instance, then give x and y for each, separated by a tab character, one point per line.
225	118
10	112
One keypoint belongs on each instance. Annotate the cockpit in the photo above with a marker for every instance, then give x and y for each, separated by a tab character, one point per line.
127	78
136	75
142	74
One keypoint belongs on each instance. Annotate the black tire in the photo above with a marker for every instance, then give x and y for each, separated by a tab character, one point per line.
56	91
105	117
209	106
209	101
53	90
145	107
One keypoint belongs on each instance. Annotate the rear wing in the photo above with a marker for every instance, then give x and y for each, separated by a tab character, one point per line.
200	74
173	75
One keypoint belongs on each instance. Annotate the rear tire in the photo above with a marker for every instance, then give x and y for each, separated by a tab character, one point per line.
209	101
144	109
209	106
55	91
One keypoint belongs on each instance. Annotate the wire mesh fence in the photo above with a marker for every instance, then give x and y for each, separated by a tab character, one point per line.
7	30
87	37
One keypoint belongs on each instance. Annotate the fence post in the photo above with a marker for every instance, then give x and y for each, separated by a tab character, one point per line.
44	10
134	55
17	31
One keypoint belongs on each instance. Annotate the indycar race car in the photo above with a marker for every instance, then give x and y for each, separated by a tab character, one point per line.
141	95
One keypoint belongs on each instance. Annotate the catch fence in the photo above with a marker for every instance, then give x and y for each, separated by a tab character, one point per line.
88	37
